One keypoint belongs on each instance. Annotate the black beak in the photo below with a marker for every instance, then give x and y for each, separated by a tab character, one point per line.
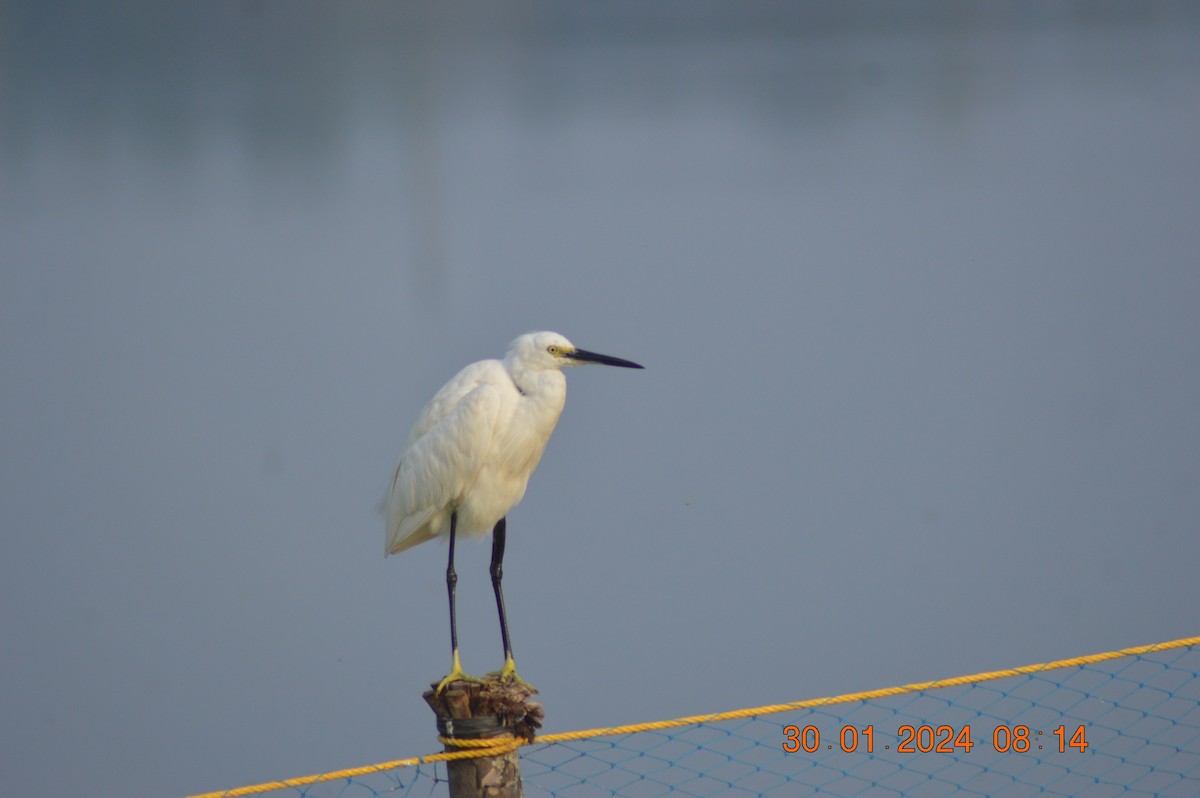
585	356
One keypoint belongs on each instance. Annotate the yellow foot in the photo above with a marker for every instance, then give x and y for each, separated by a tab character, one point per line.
456	674
509	673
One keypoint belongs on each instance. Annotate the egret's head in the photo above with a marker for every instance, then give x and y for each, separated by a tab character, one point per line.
540	351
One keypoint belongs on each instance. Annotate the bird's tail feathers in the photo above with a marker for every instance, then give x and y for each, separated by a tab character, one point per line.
412	530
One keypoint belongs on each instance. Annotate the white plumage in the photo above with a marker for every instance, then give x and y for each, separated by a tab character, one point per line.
473	448
477	441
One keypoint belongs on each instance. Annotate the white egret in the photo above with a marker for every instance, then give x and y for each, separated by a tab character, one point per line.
469	456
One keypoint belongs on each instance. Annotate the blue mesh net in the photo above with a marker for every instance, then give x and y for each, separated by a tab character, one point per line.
1124	726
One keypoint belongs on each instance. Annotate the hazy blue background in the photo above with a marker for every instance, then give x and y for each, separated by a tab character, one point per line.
916	287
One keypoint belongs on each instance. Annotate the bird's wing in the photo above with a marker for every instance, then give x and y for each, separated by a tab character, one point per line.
448	445
446	400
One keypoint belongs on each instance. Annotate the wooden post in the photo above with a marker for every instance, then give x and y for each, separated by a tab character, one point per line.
478	711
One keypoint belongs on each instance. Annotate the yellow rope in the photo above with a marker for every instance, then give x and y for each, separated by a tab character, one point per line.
867	694
503	745
488	746
500	741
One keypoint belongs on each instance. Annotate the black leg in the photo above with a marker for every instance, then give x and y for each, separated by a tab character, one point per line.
498	534
456	671
451	583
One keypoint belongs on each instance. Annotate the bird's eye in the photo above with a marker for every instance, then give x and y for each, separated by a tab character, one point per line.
552	349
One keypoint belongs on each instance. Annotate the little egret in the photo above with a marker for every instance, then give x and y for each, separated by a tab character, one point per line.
470	454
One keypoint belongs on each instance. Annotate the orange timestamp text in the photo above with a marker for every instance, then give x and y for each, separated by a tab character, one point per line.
935	739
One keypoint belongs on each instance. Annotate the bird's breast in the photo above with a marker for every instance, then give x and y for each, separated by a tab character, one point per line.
520	439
